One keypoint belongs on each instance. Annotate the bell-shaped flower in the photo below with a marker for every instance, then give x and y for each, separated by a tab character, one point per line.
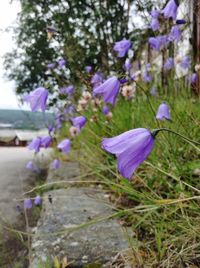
186	62
69	90
155	14
169	64
79	121
158	42
18	208
38	200
35	145
147	77
37	99
155	25
51	65
62	63
88	69
31	166
97	80
170	10
28	203
70	109
175	33
154	92
163	112
64	146
46	141
131	149
192	78
127	65
105	110
122	47
55	164
109	90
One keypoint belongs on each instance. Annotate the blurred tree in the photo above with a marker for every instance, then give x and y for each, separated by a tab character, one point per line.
87	30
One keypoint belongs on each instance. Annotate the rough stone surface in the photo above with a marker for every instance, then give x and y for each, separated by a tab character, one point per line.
67	171
95	243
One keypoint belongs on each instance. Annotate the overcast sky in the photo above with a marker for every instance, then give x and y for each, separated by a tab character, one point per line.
8	13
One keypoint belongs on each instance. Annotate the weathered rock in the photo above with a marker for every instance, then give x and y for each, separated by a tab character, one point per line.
95	243
67	170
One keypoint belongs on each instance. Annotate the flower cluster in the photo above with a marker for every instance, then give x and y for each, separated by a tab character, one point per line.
28	202
100	94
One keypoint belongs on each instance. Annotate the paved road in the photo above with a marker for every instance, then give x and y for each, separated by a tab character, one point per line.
13	178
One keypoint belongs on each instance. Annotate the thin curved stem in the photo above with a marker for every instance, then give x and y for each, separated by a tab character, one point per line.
155	132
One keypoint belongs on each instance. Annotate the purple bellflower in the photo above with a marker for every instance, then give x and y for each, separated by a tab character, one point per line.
175	33
70	109
158	42
69	90
154	92
155	25
31	166
28	203
155	14
55	164
50	128
64	146
18	208
185	63
147	77
37	99
51	65
169	64
122	47
192	78
88	69
38	200
131	149
109	90
79	121
163	112
154	43
62	63
97	80
46	141
148	66
35	145
170	10
105	110
127	66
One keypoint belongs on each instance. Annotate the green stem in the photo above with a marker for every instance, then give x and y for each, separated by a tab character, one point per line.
155	132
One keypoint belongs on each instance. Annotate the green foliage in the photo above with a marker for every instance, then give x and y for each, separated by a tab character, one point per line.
156	203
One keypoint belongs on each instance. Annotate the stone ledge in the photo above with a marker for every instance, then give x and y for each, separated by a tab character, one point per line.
96	243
